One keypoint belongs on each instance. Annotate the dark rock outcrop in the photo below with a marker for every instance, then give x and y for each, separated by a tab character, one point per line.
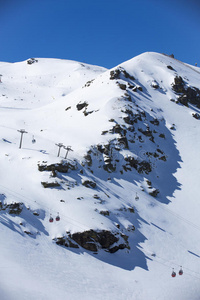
93	241
80	106
50	184
89	183
60	167
140	166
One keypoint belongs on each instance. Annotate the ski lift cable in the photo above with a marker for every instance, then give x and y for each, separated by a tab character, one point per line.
179	217
147	252
75	222
69	219
176	215
168	210
169	264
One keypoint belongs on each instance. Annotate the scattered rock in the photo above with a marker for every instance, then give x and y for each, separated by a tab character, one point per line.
196	116
122	86
170	68
154	84
80	106
114	74
31	61
154	193
104	212
123	141
155	122
60	167
28	232
89	183
162	135
178	85
14	208
50	184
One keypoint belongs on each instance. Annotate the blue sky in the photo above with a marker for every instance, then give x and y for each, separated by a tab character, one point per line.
99	32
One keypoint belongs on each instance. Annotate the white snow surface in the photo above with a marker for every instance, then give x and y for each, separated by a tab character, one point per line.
42	99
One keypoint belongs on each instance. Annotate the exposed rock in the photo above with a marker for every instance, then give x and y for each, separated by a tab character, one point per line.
144	167
163	158
183	100
80	106
130	228
196	116
178	85
161	135
154	84
50	184
170	68
89	183
60	167
154	193
118	129
91	240
131	209
134	89
123	140
88	83
66	241
86	113
187	94
146	132
109	167
155	122
31	61
104	132
14	208
88	159
104	212
140	166
129	120
127	75
116	248
122	86
28	232
114	74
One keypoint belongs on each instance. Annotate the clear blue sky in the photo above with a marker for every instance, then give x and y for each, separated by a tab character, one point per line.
100	32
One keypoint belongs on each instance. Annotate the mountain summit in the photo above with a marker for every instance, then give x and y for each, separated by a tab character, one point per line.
99	187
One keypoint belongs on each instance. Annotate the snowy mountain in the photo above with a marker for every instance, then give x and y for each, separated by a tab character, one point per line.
99	195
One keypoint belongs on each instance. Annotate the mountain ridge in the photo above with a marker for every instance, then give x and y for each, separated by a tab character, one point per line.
125	127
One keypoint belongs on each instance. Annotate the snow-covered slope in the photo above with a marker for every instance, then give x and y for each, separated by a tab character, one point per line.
127	193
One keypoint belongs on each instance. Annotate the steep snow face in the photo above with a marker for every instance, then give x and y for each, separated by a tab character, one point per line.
127	193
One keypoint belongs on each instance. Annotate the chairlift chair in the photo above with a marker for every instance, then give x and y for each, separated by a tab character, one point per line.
33	140
137	197
180	271
173	273
51	219
58	217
